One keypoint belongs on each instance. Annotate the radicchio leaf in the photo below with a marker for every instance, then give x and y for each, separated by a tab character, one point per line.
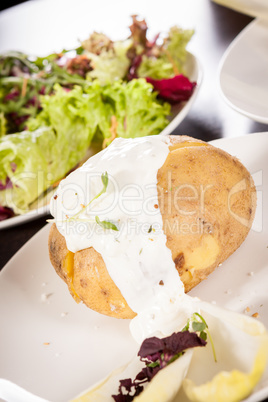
132	73
156	353
174	90
140	41
6	185
138	31
6	213
173	344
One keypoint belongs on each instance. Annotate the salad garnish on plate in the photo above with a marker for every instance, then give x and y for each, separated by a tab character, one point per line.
53	109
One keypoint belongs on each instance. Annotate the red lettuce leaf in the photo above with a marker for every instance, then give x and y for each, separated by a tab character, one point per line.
6	213
153	347
156	353
6	185
173	90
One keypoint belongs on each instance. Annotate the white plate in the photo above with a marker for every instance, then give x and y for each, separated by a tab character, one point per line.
243	72
256	8
55	348
29	216
38	208
179	112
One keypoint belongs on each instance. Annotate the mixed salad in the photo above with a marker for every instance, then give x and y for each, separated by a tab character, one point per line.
53	108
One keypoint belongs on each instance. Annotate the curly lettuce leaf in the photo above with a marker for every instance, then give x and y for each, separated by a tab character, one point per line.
110	65
137	110
3	124
59	137
175	46
171	56
155	68
69	110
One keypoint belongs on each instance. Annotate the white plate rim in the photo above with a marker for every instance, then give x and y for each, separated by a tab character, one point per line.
229	49
27	217
187	106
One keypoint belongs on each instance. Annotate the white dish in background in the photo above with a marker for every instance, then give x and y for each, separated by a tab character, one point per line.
29	216
55	348
243	72
256	8
38	208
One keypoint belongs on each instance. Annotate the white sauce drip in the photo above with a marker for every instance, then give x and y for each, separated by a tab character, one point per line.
136	256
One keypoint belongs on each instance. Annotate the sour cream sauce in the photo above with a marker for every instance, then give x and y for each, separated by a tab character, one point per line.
136	255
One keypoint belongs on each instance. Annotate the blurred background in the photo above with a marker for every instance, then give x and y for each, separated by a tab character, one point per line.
10	3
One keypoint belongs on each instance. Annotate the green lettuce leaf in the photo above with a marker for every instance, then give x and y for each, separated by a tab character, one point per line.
3	124
175	46
134	105
110	65
60	136
171	56
155	68
59	139
137	110
32	162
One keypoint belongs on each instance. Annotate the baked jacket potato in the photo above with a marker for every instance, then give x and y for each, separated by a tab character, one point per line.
207	199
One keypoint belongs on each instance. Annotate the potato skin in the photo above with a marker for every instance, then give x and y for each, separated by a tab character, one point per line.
211	197
207	200
90	281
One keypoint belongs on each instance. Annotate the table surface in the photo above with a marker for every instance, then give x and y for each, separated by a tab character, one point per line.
210	118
